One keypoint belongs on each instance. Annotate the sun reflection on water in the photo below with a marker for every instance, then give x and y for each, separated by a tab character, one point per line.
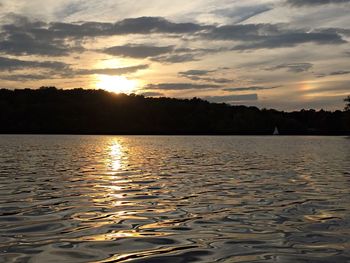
116	156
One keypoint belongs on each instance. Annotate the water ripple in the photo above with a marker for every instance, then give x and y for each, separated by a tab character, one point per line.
174	199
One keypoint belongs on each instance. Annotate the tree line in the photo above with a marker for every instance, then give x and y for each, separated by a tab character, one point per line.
78	111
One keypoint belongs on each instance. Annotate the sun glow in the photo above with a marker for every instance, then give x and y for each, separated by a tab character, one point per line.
117	84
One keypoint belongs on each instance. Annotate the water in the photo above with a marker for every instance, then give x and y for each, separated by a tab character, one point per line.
174	199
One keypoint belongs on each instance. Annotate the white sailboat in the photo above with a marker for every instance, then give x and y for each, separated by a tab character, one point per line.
276	132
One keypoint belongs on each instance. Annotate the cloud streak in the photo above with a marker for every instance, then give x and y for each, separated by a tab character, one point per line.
111	71
181	86
299	3
252	88
10	64
138	51
232	98
292	67
202	75
240	14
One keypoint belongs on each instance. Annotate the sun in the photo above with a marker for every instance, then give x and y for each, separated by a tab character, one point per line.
117	84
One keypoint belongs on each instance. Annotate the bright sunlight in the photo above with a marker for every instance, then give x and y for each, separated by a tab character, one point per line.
117	84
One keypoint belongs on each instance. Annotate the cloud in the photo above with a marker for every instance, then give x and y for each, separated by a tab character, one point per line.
292	67
292	40
138	51
180	86
232	98
180	55
334	73
201	75
299	3
162	54
242	32
252	88
25	77
32	37
341	72
152	94
111	71
195	72
69	9
140	25
174	58
241	13
64	72
15	64
148	25
259	36
23	36
26	44
209	79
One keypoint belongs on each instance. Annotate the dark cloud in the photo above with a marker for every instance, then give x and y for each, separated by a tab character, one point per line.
315	2
28	37
162	54
334	73
175	58
201	75
67	72
26	44
138	51
210	79
232	98
218	80
57	68
14	64
258	36
181	86
148	25
25	77
292	67
292	40
195	72
141	25
252	88
111	71
341	31
340	72
152	94
31	37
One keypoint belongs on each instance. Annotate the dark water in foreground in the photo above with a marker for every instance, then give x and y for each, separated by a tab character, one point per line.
174	199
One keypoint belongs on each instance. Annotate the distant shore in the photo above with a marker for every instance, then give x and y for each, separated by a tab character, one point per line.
97	112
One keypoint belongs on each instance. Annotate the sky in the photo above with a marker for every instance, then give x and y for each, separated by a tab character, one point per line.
282	54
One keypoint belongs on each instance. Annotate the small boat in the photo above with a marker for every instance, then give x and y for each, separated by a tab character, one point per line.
276	132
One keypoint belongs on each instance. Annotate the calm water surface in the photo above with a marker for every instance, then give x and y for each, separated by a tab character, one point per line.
174	199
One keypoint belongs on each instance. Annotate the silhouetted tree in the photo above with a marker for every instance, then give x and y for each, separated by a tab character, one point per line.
79	111
347	100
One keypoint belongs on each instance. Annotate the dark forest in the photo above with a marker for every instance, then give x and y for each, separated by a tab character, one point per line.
53	111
